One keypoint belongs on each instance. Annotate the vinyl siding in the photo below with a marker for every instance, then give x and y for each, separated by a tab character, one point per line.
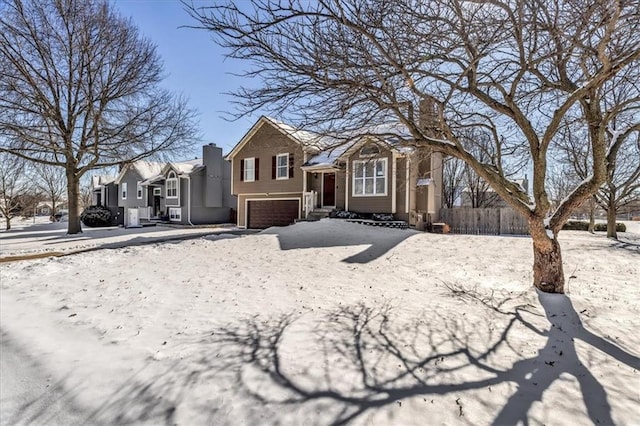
266	143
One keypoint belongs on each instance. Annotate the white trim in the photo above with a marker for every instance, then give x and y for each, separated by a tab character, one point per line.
232	176
408	184
244	172
178	217
246	205
346	188
304	173
386	177
158	189
394	175
286	168
267	194
139	190
123	190
172	179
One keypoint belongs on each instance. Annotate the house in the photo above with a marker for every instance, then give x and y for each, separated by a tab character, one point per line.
189	192
281	174
104	192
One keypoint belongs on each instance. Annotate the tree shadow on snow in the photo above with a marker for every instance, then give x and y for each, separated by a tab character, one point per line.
378	240
365	359
351	362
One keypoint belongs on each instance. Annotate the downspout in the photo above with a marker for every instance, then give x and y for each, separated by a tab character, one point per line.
189	204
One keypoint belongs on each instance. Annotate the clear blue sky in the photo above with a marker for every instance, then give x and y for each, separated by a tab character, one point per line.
195	67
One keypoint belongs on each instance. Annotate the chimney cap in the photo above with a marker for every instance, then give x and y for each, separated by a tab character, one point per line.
211	144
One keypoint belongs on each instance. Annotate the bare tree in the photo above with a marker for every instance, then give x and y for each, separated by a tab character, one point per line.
13	185
452	185
51	181
623	182
80	90
513	69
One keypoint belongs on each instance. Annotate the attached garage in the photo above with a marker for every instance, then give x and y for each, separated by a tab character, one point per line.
265	213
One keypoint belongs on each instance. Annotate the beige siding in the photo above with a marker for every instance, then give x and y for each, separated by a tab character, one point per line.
242	203
340	186
371	204
266	143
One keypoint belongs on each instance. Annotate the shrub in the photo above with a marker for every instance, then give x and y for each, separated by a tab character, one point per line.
620	227
383	217
578	225
96	216
341	214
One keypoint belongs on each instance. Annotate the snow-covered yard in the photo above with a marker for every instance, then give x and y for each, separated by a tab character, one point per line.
330	323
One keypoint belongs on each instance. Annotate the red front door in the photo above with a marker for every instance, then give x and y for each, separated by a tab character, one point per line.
329	189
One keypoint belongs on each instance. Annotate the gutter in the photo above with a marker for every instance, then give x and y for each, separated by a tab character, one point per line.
189	205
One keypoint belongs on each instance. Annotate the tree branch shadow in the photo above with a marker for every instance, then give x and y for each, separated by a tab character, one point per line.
359	361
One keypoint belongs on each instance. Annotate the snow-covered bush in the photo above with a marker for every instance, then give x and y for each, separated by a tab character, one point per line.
382	217
341	214
576	225
96	216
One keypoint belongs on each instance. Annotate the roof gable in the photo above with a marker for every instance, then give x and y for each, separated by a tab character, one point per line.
302	137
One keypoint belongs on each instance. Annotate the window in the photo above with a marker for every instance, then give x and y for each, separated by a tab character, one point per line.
139	190
175	214
370	177
282	166
249	172
172	185
369	150
157	191
124	190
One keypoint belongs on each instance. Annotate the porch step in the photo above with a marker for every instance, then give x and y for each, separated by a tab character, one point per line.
318	214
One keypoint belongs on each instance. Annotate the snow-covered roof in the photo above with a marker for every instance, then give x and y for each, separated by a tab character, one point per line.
186	167
146	169
101	180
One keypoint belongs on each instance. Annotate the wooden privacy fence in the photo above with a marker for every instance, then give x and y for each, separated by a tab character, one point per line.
494	221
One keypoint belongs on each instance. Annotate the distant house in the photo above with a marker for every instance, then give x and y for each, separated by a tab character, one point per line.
281	174
189	192
482	195
104	192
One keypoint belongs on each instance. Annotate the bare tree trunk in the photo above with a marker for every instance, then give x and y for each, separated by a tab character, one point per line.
8	220
592	215
73	194
611	218
547	260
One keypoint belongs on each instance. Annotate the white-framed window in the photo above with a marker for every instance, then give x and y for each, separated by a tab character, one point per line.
157	191
249	169
282	166
123	190
175	214
172	185
139	190
370	177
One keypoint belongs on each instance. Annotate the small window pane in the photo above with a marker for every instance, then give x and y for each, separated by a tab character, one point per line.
380	168
358	186
359	168
380	186
369	169
368	186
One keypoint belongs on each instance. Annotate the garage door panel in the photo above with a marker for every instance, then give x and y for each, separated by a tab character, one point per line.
265	213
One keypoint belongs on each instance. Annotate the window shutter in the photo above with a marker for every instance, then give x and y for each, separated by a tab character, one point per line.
241	170
290	165
273	167
257	170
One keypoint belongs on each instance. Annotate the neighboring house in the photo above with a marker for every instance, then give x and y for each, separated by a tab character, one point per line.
189	192
104	192
280	175
484	196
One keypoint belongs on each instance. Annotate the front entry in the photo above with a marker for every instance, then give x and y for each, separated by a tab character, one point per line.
329	189
156	206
